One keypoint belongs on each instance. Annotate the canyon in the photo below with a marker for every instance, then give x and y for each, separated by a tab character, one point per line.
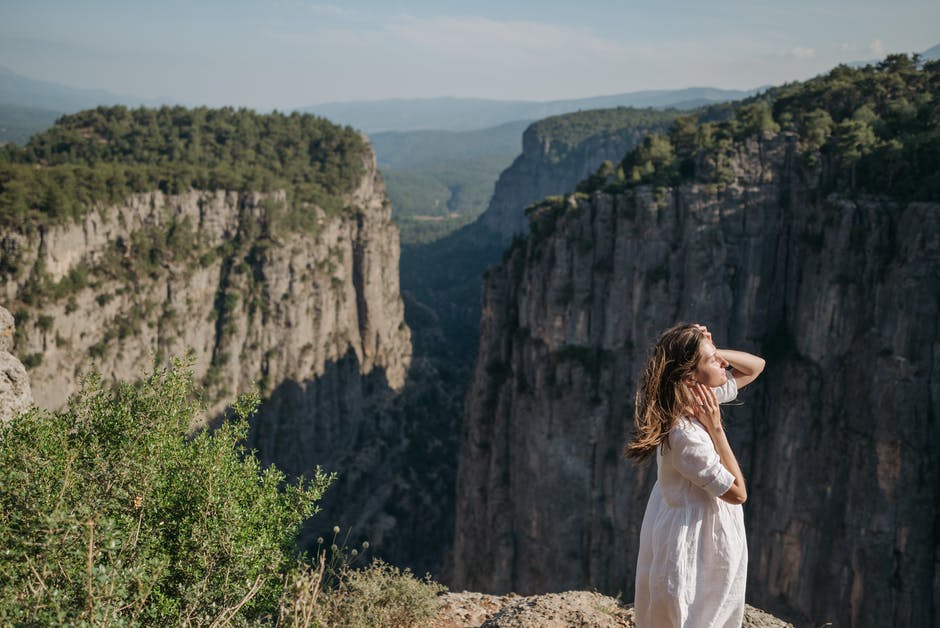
838	438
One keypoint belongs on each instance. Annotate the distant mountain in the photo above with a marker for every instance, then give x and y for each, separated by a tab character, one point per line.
400	149
23	91
931	54
463	114
18	124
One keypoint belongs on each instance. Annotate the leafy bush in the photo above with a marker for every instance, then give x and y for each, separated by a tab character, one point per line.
378	595
112	513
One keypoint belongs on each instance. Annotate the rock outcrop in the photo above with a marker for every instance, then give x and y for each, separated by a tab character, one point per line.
249	308
557	153
441	286
312	315
15	393
838	439
553	163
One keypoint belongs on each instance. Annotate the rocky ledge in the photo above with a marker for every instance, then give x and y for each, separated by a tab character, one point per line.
554	610
15	393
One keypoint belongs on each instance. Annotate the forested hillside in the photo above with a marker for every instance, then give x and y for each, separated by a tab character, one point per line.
874	129
441	180
105	154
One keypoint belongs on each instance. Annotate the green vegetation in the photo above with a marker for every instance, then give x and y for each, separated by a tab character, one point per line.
461	187
113	513
379	595
423	230
439	181
875	130
568	130
105	154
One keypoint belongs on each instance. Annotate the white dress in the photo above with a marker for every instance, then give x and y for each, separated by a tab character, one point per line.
692	563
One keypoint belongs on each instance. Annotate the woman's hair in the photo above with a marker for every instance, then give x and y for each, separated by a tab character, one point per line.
661	397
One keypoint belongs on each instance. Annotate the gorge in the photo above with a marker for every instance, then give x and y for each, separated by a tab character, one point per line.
804	228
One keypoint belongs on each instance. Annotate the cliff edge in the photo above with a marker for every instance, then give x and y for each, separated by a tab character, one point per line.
838	439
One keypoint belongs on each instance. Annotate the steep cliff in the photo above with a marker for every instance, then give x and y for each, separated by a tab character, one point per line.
166	274
441	287
839	439
294	289
557	153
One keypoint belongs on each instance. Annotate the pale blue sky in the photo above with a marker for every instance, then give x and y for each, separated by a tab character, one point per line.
293	53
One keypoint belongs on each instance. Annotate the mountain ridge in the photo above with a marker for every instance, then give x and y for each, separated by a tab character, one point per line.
464	114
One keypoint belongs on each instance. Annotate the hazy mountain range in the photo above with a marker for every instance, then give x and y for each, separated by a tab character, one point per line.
20	94
464	114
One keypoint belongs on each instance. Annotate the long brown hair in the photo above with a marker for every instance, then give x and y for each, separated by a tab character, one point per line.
661	397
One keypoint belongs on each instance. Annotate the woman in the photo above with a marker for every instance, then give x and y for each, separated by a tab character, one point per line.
692	563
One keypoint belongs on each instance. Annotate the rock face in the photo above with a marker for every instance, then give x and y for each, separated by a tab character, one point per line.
15	393
557	153
552	165
838	439
249	308
314	316
441	285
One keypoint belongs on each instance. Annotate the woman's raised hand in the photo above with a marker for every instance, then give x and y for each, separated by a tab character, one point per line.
707	411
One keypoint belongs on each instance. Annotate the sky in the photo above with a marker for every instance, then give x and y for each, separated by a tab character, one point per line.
288	54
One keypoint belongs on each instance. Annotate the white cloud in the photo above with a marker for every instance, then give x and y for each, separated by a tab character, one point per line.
802	53
877	48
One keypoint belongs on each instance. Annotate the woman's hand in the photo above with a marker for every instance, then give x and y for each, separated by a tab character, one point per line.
709	416
707	412
705	332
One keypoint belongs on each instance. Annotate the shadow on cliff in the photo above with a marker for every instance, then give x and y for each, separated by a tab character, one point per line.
393	453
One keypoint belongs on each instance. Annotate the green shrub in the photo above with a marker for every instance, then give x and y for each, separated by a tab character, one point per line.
378	595
112	513
32	360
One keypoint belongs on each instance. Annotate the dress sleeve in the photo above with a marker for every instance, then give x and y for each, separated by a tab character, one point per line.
727	391
698	462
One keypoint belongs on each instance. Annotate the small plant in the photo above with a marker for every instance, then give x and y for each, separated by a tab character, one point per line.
338	556
334	592
380	595
32	360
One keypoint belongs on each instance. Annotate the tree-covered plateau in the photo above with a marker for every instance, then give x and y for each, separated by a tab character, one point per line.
874	130
105	154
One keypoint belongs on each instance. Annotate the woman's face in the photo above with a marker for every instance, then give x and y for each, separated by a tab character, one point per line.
711	369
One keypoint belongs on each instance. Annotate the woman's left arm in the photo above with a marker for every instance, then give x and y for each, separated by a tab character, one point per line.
745	367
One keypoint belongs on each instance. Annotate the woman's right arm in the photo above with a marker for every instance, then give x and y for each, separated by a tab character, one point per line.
745	366
709	415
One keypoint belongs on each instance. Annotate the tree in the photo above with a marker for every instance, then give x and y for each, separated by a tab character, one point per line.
851	140
756	118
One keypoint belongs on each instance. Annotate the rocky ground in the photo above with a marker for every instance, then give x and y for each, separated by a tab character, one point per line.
554	610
